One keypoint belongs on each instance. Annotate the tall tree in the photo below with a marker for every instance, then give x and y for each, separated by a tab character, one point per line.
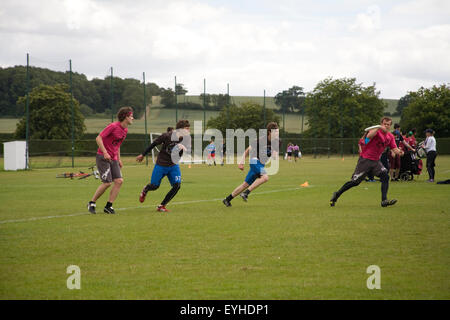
249	115
342	107
429	108
291	99
180	89
402	103
51	114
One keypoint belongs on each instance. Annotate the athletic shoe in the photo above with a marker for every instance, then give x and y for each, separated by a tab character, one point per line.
386	202
226	202
244	196
91	207
430	180
333	199
142	195
109	210
162	208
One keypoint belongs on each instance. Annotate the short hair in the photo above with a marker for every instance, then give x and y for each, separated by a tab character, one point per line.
124	112
386	119
396	126
271	126
183	124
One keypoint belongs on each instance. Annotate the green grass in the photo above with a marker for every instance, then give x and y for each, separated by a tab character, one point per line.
285	243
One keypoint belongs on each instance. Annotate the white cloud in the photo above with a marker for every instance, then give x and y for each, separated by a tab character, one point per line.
399	46
369	21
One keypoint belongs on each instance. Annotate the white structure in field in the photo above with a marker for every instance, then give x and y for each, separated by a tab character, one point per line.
15	157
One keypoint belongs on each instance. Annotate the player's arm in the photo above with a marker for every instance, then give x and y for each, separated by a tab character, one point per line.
408	145
372	133
397	151
155	143
100	144
241	163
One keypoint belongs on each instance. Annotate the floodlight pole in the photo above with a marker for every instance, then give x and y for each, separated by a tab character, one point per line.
228	107
27	112
145	117
176	101
264	108
112	96
204	104
73	113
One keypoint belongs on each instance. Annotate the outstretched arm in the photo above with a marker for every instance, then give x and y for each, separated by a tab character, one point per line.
241	163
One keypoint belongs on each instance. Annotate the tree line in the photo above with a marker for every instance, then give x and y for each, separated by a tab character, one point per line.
334	108
94	96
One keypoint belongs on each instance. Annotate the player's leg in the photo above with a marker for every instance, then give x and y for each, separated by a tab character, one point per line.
381	172
362	167
174	176
249	179
260	177
116	175
155	181
104	169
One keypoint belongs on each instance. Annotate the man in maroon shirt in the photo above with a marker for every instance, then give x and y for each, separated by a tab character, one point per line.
108	158
369	162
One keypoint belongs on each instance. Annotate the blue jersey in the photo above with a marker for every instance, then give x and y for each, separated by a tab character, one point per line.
211	148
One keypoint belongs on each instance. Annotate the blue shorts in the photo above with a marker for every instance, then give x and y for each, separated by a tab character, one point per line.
173	173
256	171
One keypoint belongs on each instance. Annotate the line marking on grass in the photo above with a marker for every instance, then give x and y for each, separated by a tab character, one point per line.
139	207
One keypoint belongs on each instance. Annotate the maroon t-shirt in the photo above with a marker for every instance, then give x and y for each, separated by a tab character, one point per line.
113	136
377	144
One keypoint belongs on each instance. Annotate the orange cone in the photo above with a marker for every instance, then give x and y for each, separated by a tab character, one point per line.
306	184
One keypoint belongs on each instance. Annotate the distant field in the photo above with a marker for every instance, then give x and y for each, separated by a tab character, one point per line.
160	118
158	121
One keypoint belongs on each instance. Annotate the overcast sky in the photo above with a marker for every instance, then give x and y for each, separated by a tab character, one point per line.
252	45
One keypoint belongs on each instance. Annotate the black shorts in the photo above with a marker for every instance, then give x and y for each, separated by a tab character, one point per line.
108	170
366	166
289	154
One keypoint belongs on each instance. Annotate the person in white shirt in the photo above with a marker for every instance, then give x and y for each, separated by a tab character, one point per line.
430	148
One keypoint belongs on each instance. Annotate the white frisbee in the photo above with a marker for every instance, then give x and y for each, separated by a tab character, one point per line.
372	127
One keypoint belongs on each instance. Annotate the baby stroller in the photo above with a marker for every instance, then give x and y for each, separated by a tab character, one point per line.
411	165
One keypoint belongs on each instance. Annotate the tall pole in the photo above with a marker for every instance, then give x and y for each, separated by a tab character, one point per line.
264	108
27	112
73	113
112	96
342	130
204	104
228	106
145	117
176	101
353	131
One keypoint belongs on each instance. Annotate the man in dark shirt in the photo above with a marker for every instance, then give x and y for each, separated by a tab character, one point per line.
167	162
259	156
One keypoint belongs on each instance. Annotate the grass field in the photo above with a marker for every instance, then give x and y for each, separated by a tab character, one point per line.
285	243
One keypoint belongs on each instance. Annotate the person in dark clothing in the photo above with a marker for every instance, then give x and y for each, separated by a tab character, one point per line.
167	162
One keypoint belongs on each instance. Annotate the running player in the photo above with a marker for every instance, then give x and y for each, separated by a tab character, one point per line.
256	175
369	161
108	158
211	148
166	165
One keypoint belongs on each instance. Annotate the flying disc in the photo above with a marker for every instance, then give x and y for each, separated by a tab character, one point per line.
372	127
